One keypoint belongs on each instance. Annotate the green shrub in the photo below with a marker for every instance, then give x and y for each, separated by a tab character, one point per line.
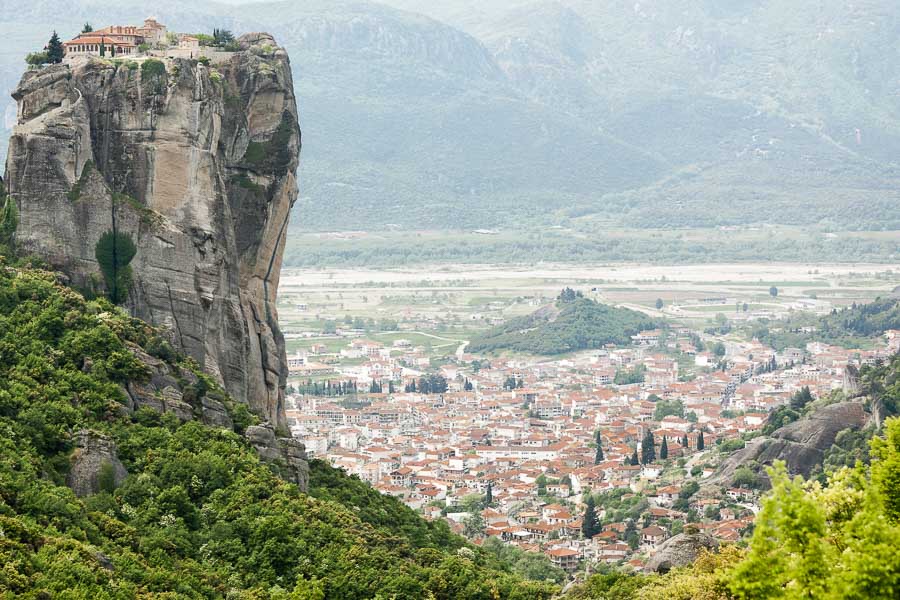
114	252
153	75
9	222
106	478
75	193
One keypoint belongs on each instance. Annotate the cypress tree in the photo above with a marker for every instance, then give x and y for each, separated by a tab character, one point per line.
598	457
55	49
648	448
489	495
700	444
589	524
634	457
664	449
684	441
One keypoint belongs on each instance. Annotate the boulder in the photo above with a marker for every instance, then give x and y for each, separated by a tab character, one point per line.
215	414
801	444
94	458
679	551
288	454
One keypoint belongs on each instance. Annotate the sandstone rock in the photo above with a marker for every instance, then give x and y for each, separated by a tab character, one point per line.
679	551
173	403
288	453
145	397
801	444
198	167
94	452
215	414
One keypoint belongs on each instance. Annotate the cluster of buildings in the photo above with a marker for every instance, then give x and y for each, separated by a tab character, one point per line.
532	446
127	40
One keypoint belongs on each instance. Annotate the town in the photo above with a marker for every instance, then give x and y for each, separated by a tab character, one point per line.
594	457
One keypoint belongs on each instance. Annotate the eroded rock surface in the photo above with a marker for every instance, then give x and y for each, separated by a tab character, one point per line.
286	452
679	551
197	165
94	459
801	444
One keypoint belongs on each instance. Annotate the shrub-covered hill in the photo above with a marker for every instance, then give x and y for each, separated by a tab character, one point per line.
574	323
197	515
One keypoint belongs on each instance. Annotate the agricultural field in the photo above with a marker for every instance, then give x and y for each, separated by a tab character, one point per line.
439	309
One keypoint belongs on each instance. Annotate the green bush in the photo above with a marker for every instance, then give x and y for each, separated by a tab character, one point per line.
9	222
114	252
153	75
75	193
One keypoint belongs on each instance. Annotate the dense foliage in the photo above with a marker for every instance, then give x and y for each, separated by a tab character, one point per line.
529	245
847	327
198	515
114	252
575	323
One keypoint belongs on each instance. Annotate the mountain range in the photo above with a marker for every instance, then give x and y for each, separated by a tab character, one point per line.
465	114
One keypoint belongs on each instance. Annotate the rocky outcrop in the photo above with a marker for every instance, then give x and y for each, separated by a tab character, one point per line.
801	444
95	465
679	551
284	452
196	165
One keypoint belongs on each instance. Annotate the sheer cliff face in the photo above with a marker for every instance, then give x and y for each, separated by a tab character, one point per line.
196	163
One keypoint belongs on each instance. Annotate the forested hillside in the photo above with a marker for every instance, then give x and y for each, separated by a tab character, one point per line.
574	323
849	327
170	507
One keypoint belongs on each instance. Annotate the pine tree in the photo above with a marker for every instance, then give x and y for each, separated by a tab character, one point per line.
55	50
700	443
87	28
589	525
648	448
664	449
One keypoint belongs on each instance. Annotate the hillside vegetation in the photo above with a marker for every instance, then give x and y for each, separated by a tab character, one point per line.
849	327
573	323
198	515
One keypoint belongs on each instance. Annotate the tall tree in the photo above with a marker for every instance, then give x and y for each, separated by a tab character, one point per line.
684	442
598	456
87	28
634	457
648	448
700	443
664	449
489	495
55	49
590	526
473	525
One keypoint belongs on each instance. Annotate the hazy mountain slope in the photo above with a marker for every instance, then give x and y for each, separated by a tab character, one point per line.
514	113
